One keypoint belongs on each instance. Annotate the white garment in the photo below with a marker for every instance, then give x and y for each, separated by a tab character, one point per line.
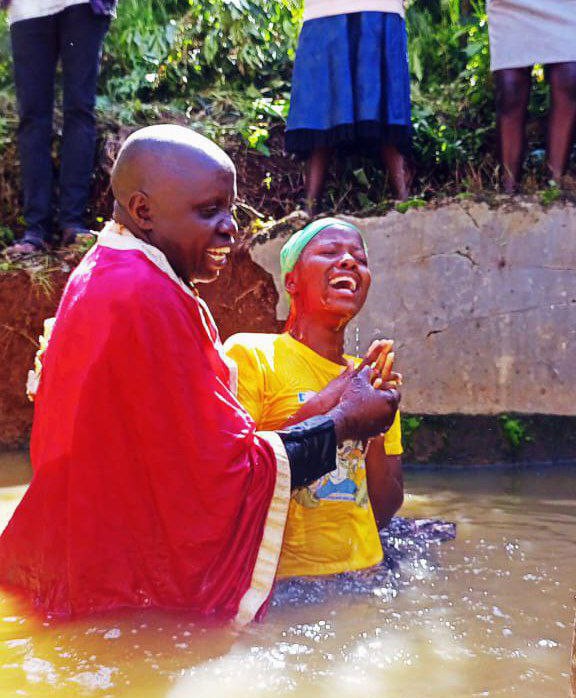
30	9
526	32
325	8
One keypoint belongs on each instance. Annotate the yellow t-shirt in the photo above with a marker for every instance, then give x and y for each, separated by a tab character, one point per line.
330	527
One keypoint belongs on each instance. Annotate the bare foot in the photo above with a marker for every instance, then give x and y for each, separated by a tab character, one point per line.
313	207
510	185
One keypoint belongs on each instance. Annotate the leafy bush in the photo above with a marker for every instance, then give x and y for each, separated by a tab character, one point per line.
238	41
410	425
451	86
226	63
453	96
139	44
5	57
173	50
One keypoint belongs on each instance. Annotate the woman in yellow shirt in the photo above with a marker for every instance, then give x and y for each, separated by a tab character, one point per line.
284	378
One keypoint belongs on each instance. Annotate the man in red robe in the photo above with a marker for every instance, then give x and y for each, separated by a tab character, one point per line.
151	485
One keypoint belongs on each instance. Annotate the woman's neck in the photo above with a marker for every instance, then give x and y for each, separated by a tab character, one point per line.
328	341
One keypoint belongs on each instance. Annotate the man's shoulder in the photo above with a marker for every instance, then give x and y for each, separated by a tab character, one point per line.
119	276
125	288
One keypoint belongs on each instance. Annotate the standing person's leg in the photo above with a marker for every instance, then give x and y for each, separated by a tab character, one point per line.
35	54
391	103
81	37
316	177
562	120
395	163
512	97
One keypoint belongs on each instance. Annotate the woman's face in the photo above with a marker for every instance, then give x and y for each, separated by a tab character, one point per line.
331	279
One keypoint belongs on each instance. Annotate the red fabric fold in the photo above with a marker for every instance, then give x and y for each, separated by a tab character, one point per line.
150	486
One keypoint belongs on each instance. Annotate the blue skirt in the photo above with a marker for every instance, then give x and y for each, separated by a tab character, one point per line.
351	83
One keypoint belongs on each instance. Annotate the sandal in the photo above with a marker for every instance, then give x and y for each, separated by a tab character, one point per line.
29	246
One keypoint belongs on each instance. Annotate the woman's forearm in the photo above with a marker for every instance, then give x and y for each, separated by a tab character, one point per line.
312	408
385	482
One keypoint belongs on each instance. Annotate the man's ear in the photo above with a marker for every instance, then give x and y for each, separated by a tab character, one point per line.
139	210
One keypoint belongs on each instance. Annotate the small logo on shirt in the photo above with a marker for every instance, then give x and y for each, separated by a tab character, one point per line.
304	396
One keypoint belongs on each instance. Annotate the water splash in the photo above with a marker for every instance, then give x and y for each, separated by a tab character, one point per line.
404	541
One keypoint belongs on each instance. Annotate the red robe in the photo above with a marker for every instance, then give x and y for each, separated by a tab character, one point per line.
150	487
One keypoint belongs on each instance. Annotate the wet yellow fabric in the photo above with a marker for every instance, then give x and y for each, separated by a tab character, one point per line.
331	527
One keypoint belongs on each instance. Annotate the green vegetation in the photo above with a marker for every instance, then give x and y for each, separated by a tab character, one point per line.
515	432
551	194
224	67
414	202
410	425
459	439
6	236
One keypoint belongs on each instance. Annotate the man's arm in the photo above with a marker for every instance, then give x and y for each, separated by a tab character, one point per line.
385	482
362	413
323	401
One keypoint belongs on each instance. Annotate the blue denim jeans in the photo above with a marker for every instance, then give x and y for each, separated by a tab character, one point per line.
74	38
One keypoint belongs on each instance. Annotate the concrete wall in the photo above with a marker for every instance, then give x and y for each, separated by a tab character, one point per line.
481	302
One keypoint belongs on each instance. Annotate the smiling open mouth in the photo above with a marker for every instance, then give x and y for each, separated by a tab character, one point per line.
218	254
344	283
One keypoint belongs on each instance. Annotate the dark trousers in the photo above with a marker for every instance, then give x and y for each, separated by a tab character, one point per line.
74	37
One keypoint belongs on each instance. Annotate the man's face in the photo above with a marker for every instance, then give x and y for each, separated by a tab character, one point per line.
331	278
191	217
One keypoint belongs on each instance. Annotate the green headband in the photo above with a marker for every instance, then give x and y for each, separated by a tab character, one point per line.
292	250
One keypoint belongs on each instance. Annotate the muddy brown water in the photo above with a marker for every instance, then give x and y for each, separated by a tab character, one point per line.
489	614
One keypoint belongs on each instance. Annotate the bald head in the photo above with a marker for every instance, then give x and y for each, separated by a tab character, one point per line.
175	190
155	154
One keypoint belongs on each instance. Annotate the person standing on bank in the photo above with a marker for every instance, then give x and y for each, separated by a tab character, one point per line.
351	87
44	32
524	33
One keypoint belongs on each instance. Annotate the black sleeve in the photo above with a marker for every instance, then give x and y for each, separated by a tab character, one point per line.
311	449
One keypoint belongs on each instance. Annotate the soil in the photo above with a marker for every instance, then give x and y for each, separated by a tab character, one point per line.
24	304
270	184
243	299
